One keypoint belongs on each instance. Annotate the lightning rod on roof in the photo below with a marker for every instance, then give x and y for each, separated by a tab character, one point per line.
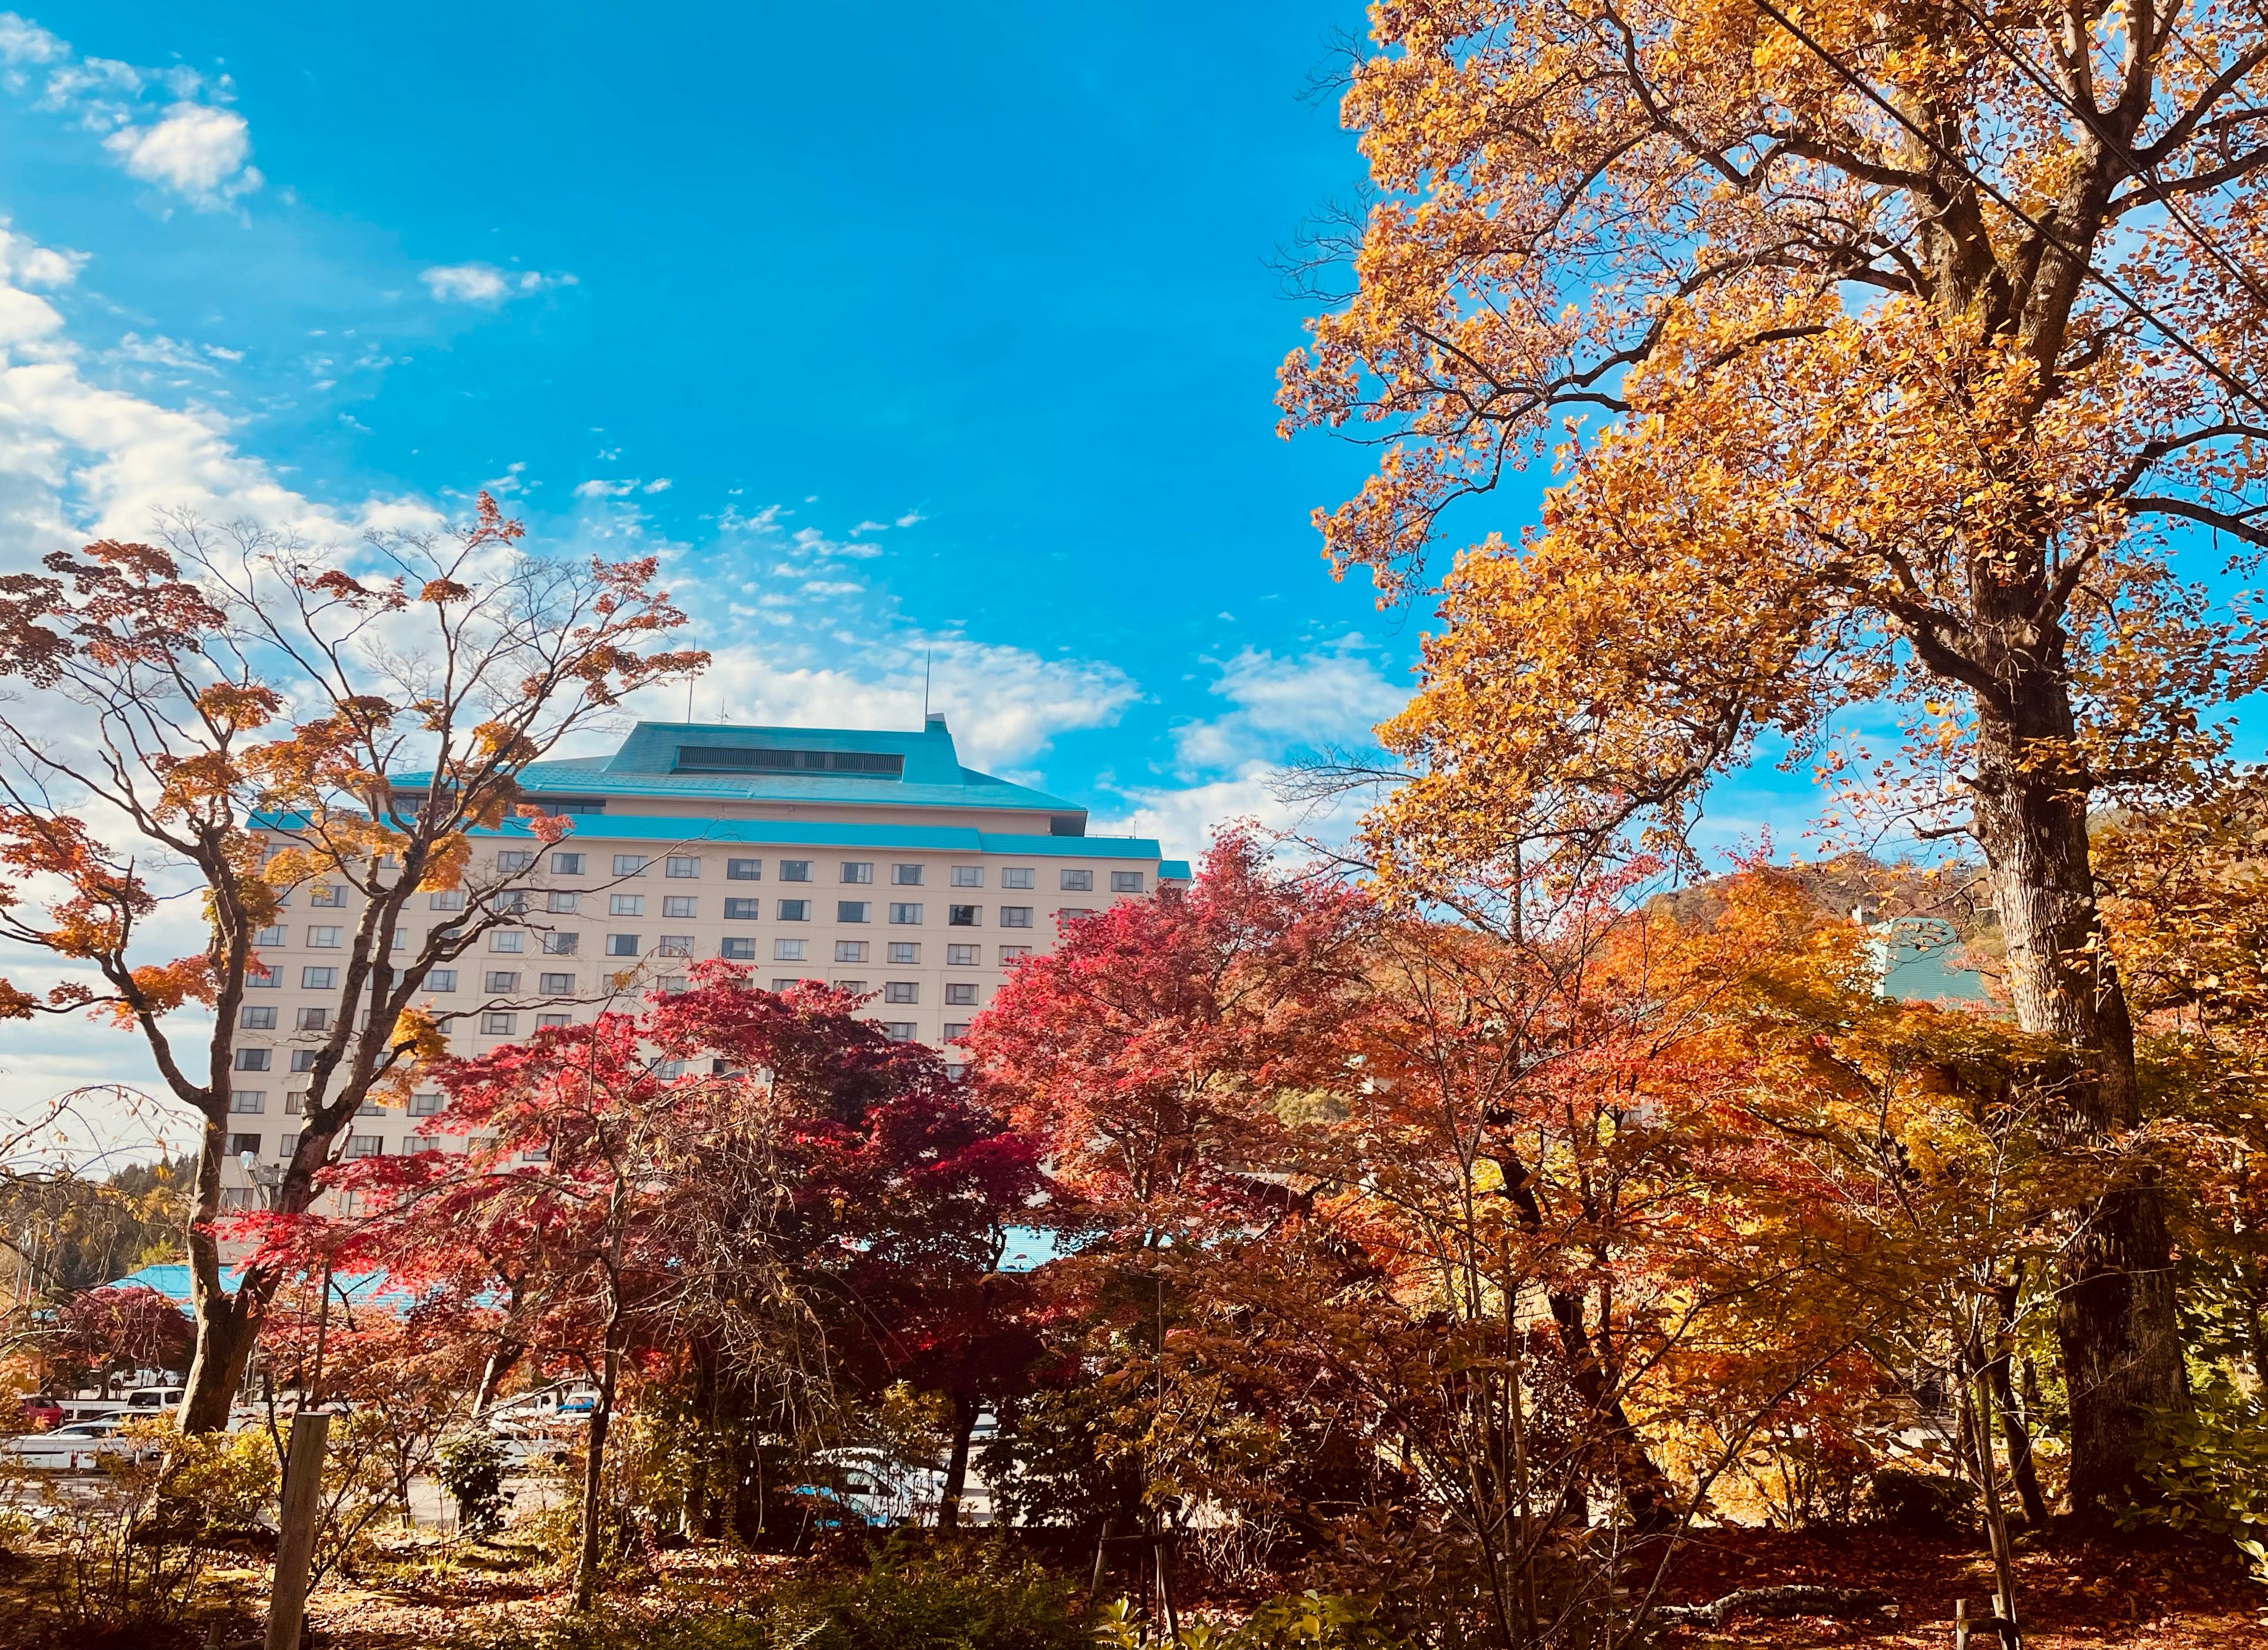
929	657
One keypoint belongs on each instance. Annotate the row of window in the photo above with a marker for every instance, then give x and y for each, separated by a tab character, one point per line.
558	943
512	861
443	982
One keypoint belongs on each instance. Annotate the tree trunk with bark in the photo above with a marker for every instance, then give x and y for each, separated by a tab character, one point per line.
2116	1320
957	1465
594	1471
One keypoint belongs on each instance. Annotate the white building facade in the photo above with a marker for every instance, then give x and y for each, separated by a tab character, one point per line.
872	861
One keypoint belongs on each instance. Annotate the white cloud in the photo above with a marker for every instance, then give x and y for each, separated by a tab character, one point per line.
24	41
192	145
1331	695
1183	818
485	282
199	153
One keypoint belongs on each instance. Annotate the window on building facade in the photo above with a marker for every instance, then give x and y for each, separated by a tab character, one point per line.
509	901
563	902
1013	954
413	1145
906	876
969	876
961	994
681	865
499	980
295	1103
446	900
858	870
901	992
1126	882
507	939
257	1020
631	864
244	1145
552	1022
961	957
900	1030
964	916
312	1020
795	911
744	870
273	934
905	914
850	910
956	1030
365	1145
850	951
304	1059
785	986
322	938
904	951
428	1105
566	865
441	980
674	946
557	943
558	984
789	950
1072	914
625	904
621	944
749	910
327	893
514	859
1077	882
1015	916
738	949
253	1059
684	906
246	1102
670	984
318	979
795	870
1016	877
496	1024
257	978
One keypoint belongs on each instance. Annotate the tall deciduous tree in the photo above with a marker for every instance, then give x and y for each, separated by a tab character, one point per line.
1890	356
231	716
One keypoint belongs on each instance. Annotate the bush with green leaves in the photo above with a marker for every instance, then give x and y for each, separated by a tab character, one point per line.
471	1468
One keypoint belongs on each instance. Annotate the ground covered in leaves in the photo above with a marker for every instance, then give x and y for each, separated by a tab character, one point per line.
430	1594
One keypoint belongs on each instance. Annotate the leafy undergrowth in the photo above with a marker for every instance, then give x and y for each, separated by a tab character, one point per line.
2070	1593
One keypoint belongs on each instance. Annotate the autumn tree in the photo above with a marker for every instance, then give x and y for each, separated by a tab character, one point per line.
1900	357
243	717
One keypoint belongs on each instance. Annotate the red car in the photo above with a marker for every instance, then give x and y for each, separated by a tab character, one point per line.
40	1412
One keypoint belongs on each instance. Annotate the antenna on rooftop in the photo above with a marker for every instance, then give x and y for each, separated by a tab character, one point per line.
928	658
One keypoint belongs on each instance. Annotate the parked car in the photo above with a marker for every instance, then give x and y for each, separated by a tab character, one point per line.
39	1412
78	1448
148	1400
870	1487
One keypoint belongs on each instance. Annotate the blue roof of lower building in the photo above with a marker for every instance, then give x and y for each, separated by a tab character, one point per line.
171	1279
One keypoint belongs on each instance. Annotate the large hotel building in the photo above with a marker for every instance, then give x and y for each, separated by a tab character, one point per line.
872	861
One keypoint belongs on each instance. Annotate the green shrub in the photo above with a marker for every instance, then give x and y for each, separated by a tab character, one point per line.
472	1468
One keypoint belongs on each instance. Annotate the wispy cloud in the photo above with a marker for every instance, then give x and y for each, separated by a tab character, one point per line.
486	283
167	127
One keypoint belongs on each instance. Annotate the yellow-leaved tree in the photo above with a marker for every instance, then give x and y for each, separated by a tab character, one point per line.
1887	355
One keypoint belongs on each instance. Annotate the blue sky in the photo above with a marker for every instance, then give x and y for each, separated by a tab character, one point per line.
902	330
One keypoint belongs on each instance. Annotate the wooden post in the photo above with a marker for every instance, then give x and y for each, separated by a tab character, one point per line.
295	1537
1960	1625
1158	1544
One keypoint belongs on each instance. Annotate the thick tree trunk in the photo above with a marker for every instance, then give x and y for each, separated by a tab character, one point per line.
2116	1317
228	1325
957	1465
